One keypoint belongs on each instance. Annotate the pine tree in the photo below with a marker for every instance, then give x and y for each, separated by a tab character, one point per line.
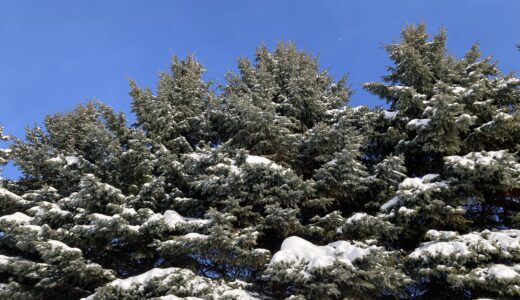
272	187
443	106
176	115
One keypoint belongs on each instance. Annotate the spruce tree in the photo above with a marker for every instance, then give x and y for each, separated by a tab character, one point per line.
271	186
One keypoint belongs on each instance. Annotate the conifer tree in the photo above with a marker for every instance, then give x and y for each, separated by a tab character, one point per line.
273	187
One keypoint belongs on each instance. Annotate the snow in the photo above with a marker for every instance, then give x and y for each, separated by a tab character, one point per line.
295	249
128	212
445	249
46	207
262	251
447	243
173	219
197	156
396	88
498	118
56	161
503	116
231	168
437	235
409	187
259	160
194	236
417	123
466	118
134	228
4	259
61	160
458	90
34	228
62	247
142	279
238	295
390	114
474	159
390	203
100	217
503	83
506	240
422	183
16	218
483	103
172	297
71	160
500	271
356	217
11	196
359	107
406	211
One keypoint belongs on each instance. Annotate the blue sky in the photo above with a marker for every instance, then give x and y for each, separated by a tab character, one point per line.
55	54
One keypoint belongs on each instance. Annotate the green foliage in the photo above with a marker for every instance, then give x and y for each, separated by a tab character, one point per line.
271	186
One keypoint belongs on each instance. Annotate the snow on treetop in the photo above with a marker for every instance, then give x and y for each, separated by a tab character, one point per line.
507	240
406	211
499	118
450	243
62	247
499	271
458	90
359	107
184	281
441	235
142	278
100	217
71	160
5	259
421	183
128	212
503	115
390	203
238	295
47	208
259	160
172	297
390	114
410	187
231	168
295	249
395	88
483	103
55	161
356	217
173	219
505	82
417	123
17	218
61	160
474	159
194	236
197	156
34	228
466	118
10	195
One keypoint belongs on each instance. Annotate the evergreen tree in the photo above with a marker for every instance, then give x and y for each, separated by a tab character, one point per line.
273	187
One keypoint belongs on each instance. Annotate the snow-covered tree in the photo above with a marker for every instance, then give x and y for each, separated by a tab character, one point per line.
272	186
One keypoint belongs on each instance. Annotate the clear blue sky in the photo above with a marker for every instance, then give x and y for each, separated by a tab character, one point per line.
57	54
